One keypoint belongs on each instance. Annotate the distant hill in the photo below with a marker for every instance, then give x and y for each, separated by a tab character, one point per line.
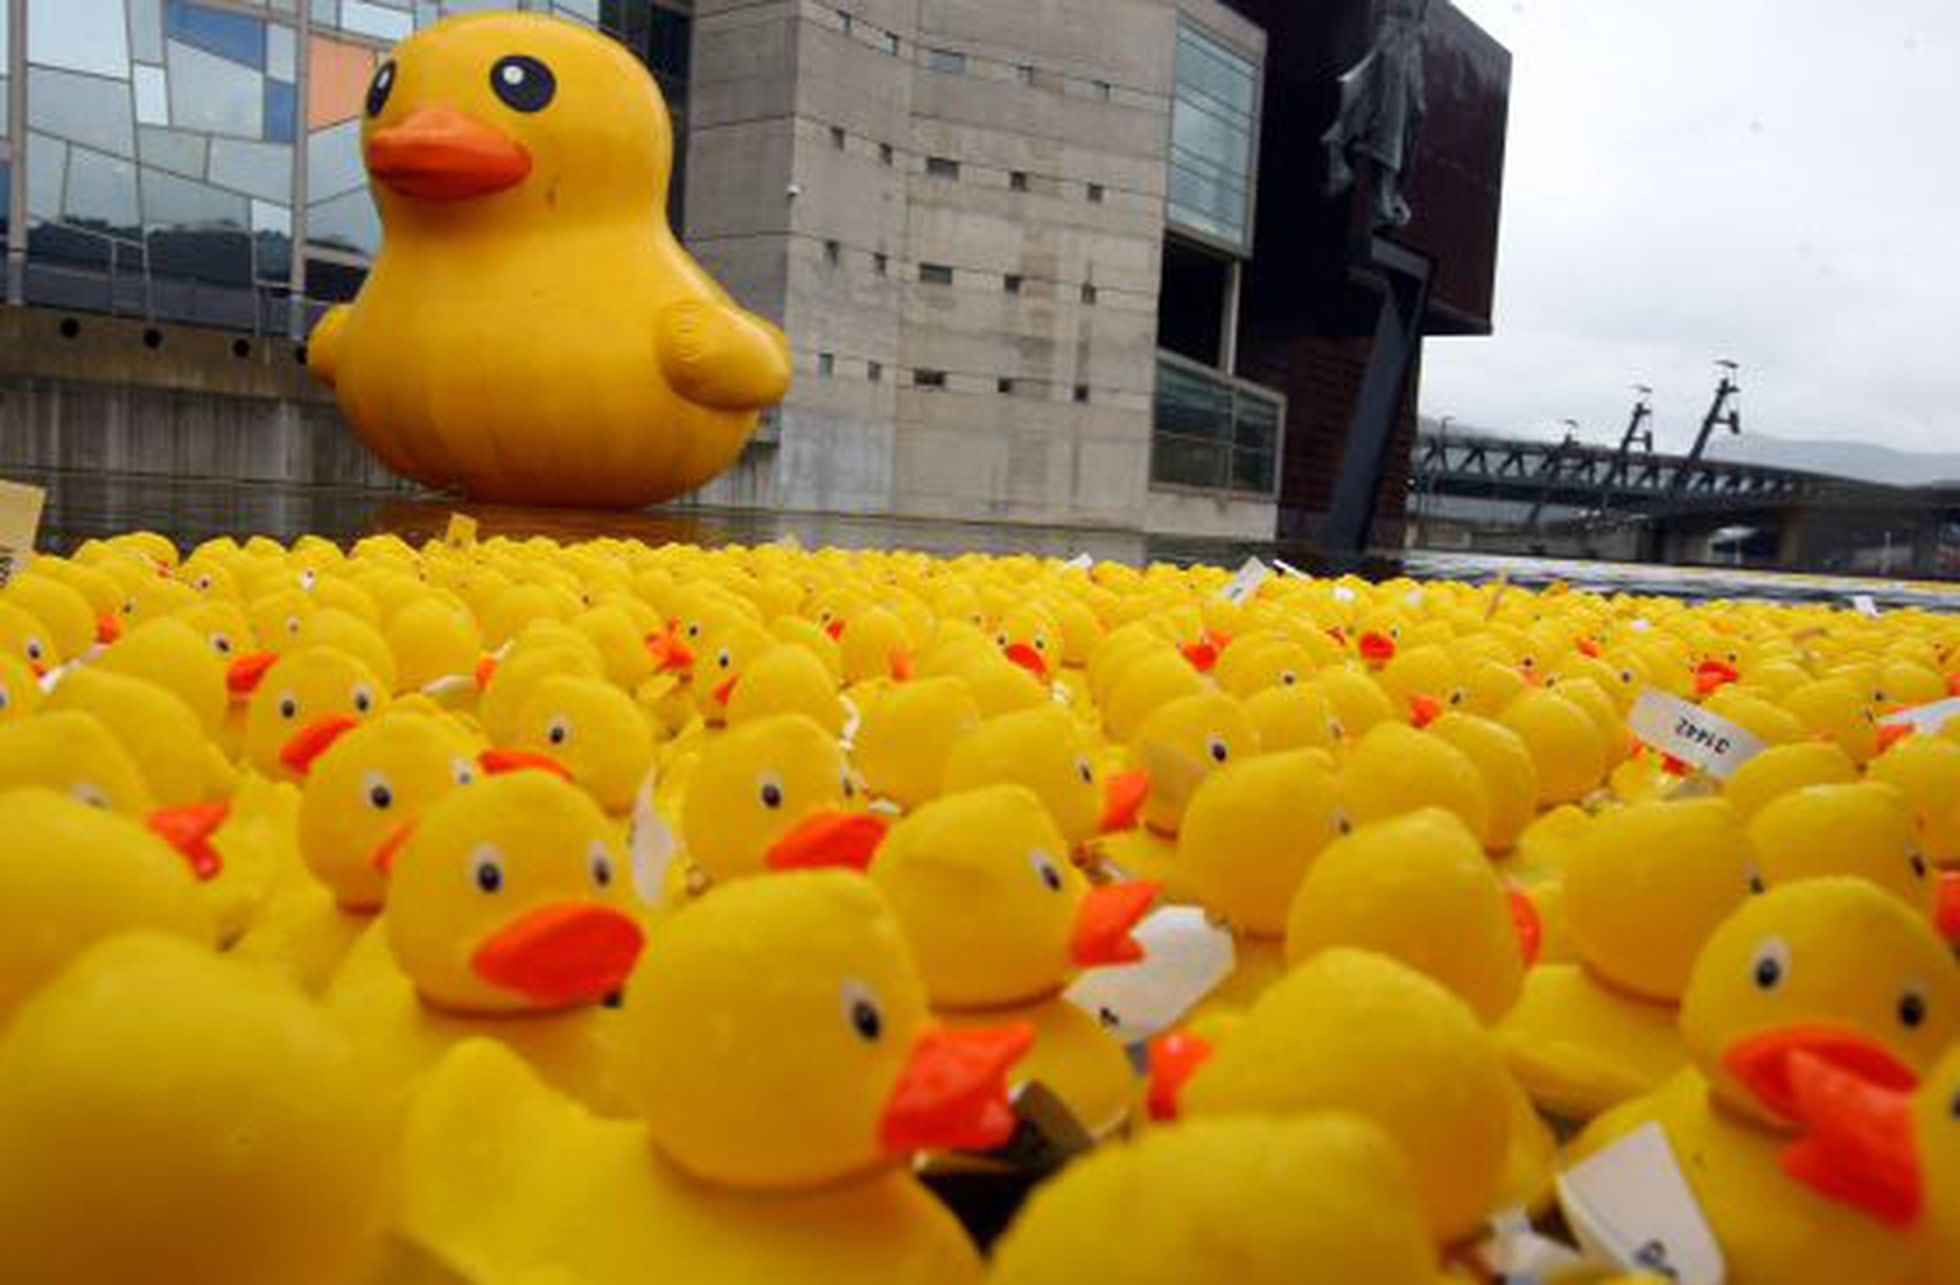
1859	460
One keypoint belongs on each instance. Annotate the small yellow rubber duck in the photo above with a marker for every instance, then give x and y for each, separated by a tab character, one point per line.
1832	969
1861	829
170	1115
1050	752
1254	1201
297	688
509	915
784	1072
532	331
999	919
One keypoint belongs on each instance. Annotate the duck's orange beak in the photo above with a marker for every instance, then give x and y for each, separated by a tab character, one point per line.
1858	1146
1765	1062
899	664
486	669
108	627
1103	923
669	652
1027	658
313	740
1377	648
1890	734
1528	924
1123	797
243	676
953	1092
724	689
383	856
1713	674
1946	907
502	760
1424	709
1174	1057
437	153
189	829
835	629
1202	655
826	839
557	956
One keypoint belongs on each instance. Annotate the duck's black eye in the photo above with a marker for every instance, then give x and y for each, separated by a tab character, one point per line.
379	88
1912	1009
523	83
488	869
602	870
1770	965
288	707
1218	751
861	1011
1083	770
1918	865
772	795
1953	1107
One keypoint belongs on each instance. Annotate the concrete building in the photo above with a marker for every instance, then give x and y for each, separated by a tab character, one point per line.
1022	247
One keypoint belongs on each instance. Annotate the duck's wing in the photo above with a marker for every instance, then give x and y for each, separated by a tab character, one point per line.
714	354
323	345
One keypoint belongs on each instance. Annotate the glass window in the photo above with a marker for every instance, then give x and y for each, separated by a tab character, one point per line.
937	274
6	124
281	53
874	371
213	94
264	170
337	81
947	61
217	255
942	167
929	378
1212	138
152	96
333	161
837	137
1082	394
826	364
372	20
272	253
173	150
281	111
170	201
101	192
1018	180
587	10
333	282
1213	433
270	216
79	35
47	169
234	36
82	109
1004	385
345	223
146	30
1011	283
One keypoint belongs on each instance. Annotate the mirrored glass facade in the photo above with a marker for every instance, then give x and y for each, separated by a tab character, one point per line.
1214	131
199	160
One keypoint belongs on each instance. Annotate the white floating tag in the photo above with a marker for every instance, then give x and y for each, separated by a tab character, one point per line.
1863	604
1342	593
853	716
1246	581
1184	958
1080	562
1692	734
1640	624
20	523
1631	1204
651	843
1288	569
1926	719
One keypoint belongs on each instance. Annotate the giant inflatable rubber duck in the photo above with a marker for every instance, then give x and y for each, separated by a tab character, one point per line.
532	331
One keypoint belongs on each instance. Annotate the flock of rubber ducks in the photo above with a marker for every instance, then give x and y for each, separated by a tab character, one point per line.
507	911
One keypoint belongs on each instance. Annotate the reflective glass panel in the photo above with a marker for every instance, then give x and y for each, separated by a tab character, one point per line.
82	109
5	100
152	96
216	255
214	94
269	216
101	192
281	111
373	20
1212	137
333	162
281	58
346	223
80	35
47	163
236	36
172	201
264	170
146	30
173	150
337	81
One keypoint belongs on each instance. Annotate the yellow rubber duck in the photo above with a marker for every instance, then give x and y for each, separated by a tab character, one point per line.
1395	769
1050	752
251	1145
508	916
1831	969
785	1167
20	692
772	794
171	654
1783	768
596	731
72	875
297	688
1510	778
25	638
787	678
1250	834
906	736
998	920
179	762
1641	893
520	165
1252	1200
1926	769
1179	744
366	784
1565	744
1319	1039
1861	829
60	607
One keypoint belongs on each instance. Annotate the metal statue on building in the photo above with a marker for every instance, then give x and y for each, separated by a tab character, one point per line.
1381	111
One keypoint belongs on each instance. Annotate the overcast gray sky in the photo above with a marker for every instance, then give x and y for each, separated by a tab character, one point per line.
1768	180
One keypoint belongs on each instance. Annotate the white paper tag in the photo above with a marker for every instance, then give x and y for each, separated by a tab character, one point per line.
1630	1203
1926	719
1863	604
1184	958
1246	581
1640	624
1691	733
1413	598
1080	562
1288	569
651	843
20	523
1342	593
853	717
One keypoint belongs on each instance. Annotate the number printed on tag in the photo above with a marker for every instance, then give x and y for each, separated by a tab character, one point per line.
1692	734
